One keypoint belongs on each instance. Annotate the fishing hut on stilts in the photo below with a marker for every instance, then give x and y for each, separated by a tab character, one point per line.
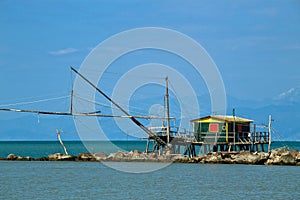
230	134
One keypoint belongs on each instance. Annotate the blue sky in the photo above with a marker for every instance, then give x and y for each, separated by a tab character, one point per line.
255	44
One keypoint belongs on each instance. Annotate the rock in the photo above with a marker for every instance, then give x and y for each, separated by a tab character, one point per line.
41	159
20	158
297	159
136	155
227	158
282	156
101	156
263	157
250	158
180	159
119	156
196	159
12	157
213	158
152	156
85	157
27	158
135	152
60	157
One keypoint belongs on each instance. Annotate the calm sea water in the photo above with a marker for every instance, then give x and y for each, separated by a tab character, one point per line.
92	180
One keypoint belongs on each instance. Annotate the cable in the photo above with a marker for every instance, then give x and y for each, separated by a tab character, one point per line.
36	101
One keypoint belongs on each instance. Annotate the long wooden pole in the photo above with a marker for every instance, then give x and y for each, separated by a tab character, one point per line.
233	113
35	111
168	111
269	135
90	114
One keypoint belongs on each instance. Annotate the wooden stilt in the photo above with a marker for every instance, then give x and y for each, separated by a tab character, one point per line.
147	146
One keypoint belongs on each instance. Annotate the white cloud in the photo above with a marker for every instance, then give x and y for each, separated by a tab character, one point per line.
283	94
291	94
63	51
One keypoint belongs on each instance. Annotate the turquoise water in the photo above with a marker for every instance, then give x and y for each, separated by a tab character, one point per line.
44	148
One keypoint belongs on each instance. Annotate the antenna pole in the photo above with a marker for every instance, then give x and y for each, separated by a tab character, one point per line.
71	102
269	135
72	92
167	111
233	113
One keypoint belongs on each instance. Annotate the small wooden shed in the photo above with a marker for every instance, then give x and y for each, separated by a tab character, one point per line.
221	129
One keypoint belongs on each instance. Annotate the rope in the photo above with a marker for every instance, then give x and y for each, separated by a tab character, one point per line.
111	107
111	73
36	101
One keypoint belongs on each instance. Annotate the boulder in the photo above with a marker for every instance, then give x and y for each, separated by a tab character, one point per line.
12	157
60	157
196	159
100	156
152	156
181	159
27	158
298	159
136	155
250	158
85	157
213	157
119	156
282	156
41	159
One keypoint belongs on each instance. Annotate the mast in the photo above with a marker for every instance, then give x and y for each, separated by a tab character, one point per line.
71	101
233	114
72	93
269	135
132	118
167	110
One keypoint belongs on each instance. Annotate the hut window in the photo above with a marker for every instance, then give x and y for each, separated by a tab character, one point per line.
214	128
240	128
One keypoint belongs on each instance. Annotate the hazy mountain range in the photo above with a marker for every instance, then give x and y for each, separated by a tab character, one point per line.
284	108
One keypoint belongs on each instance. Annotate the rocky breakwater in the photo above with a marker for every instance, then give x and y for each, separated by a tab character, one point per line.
232	158
132	156
281	156
137	156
